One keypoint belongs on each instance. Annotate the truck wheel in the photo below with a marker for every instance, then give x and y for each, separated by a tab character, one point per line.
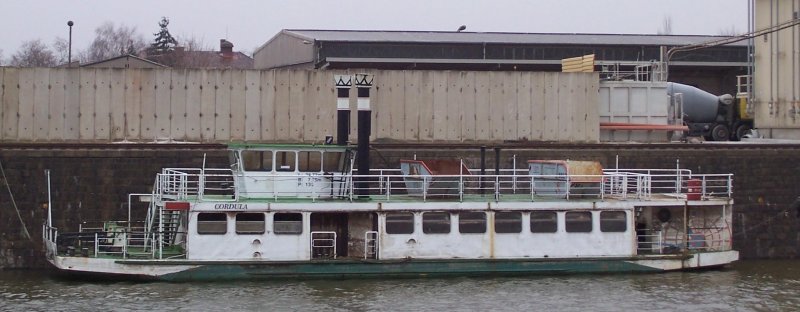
720	132
741	130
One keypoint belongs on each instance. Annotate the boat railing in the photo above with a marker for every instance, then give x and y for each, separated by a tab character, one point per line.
389	184
190	183
371	243
323	244
712	238
114	239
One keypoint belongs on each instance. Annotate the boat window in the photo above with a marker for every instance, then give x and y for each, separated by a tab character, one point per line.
472	222
250	223
578	221
436	222
507	222
257	160
288	223
399	223
285	161
613	221
331	162
544	222
212	223
309	161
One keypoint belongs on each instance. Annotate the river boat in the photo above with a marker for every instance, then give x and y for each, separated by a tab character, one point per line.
303	211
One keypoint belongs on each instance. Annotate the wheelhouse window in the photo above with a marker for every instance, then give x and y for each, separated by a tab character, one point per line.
285	161
436	222
250	223
309	161
578	221
287	223
472	222
613	221
507	222
257	160
212	223
332	161
399	223
544	222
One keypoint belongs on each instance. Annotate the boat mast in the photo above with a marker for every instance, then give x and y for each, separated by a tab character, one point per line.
49	202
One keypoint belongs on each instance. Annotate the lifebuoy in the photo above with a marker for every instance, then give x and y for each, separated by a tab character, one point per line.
664	215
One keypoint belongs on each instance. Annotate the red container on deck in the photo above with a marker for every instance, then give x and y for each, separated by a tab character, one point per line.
693	189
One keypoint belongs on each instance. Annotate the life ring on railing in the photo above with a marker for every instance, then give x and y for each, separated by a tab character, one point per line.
664	215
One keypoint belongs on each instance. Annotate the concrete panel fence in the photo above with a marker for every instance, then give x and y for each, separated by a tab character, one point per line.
44	105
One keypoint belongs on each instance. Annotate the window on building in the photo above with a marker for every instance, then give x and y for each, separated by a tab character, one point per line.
250	223
472	222
436	222
285	161
399	223
257	160
212	223
309	161
578	221
544	222
613	221
287	223
507	222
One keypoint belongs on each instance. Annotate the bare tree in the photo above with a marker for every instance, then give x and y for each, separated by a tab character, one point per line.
111	41
193	52
34	53
192	43
61	50
729	31
666	26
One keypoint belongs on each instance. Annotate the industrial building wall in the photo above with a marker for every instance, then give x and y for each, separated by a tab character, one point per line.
145	105
284	51
777	71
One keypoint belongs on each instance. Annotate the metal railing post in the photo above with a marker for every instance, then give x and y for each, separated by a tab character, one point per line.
388	186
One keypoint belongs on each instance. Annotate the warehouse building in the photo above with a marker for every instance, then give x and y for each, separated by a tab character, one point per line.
712	69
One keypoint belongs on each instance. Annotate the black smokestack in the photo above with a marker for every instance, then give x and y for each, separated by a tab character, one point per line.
343	84
363	85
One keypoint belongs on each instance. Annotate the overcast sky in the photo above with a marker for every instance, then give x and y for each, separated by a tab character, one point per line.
249	24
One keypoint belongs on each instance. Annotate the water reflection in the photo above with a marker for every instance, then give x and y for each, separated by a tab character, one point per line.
749	286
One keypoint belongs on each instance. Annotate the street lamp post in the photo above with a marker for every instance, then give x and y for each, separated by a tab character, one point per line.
69	54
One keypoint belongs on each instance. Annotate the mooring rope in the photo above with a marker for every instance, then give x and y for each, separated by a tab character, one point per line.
8	187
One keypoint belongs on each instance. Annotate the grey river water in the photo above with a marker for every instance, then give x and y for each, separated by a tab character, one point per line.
747	286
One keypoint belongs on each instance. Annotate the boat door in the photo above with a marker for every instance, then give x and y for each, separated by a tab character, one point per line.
344	234
329	234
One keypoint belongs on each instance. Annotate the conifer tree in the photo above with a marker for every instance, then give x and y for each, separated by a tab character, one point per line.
164	42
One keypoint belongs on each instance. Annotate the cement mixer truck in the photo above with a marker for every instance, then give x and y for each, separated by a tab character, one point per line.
716	118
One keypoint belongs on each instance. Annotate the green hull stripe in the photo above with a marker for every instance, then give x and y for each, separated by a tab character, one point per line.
335	269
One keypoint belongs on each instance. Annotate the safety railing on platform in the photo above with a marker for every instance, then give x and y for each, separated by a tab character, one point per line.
716	238
323	244
371	243
183	184
188	183
116	239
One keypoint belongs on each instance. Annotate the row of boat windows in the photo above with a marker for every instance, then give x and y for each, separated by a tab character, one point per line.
291	161
249	223
432	222
505	222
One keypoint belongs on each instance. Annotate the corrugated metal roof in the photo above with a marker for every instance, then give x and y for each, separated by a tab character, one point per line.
491	37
